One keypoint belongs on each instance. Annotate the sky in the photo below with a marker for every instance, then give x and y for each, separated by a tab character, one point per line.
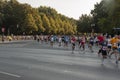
71	8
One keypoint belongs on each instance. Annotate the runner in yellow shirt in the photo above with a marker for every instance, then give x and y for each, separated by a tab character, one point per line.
114	41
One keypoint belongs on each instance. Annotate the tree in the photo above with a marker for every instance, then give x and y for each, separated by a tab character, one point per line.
106	15
46	24
23	17
84	24
38	21
1	12
53	26
114	12
29	25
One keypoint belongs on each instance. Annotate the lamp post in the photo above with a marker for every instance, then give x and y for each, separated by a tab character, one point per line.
17	28
92	26
3	30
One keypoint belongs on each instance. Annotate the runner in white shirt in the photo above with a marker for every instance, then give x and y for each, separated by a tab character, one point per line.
109	45
60	41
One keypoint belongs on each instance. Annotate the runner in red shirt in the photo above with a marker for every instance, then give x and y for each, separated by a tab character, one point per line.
73	40
100	42
100	39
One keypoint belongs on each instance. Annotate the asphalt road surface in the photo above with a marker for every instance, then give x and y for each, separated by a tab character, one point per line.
29	60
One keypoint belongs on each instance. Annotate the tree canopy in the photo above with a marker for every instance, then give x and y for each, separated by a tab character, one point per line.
18	18
106	15
26	19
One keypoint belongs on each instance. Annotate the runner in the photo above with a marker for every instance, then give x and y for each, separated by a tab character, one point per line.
114	41
91	43
51	40
37	37
100	42
96	41
73	40
109	45
119	51
59	41
82	44
66	41
104	50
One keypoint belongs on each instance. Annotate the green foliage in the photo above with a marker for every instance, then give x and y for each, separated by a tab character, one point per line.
22	18
55	23
29	24
84	24
106	15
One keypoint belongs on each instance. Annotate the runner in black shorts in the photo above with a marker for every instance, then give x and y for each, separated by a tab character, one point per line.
91	43
104	51
73	46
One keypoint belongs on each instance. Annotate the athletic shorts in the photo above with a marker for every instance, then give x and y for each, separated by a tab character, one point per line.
114	48
101	43
92	43
119	50
109	47
73	44
82	43
104	52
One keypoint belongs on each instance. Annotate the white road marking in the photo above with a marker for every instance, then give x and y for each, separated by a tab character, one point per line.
67	71
9	74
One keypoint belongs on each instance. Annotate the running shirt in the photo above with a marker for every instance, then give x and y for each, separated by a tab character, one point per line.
83	39
104	45
52	39
109	43
59	39
91	39
96	39
114	42
73	40
100	39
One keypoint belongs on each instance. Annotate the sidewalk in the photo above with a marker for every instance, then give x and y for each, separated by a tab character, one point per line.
7	41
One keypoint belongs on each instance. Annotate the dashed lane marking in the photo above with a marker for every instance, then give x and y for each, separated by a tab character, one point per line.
10	74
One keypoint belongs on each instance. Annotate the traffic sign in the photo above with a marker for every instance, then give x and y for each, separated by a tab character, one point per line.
3	29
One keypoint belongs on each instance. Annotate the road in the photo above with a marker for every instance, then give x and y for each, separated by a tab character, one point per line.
29	60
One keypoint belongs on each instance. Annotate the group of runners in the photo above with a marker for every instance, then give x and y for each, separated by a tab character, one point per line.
108	45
